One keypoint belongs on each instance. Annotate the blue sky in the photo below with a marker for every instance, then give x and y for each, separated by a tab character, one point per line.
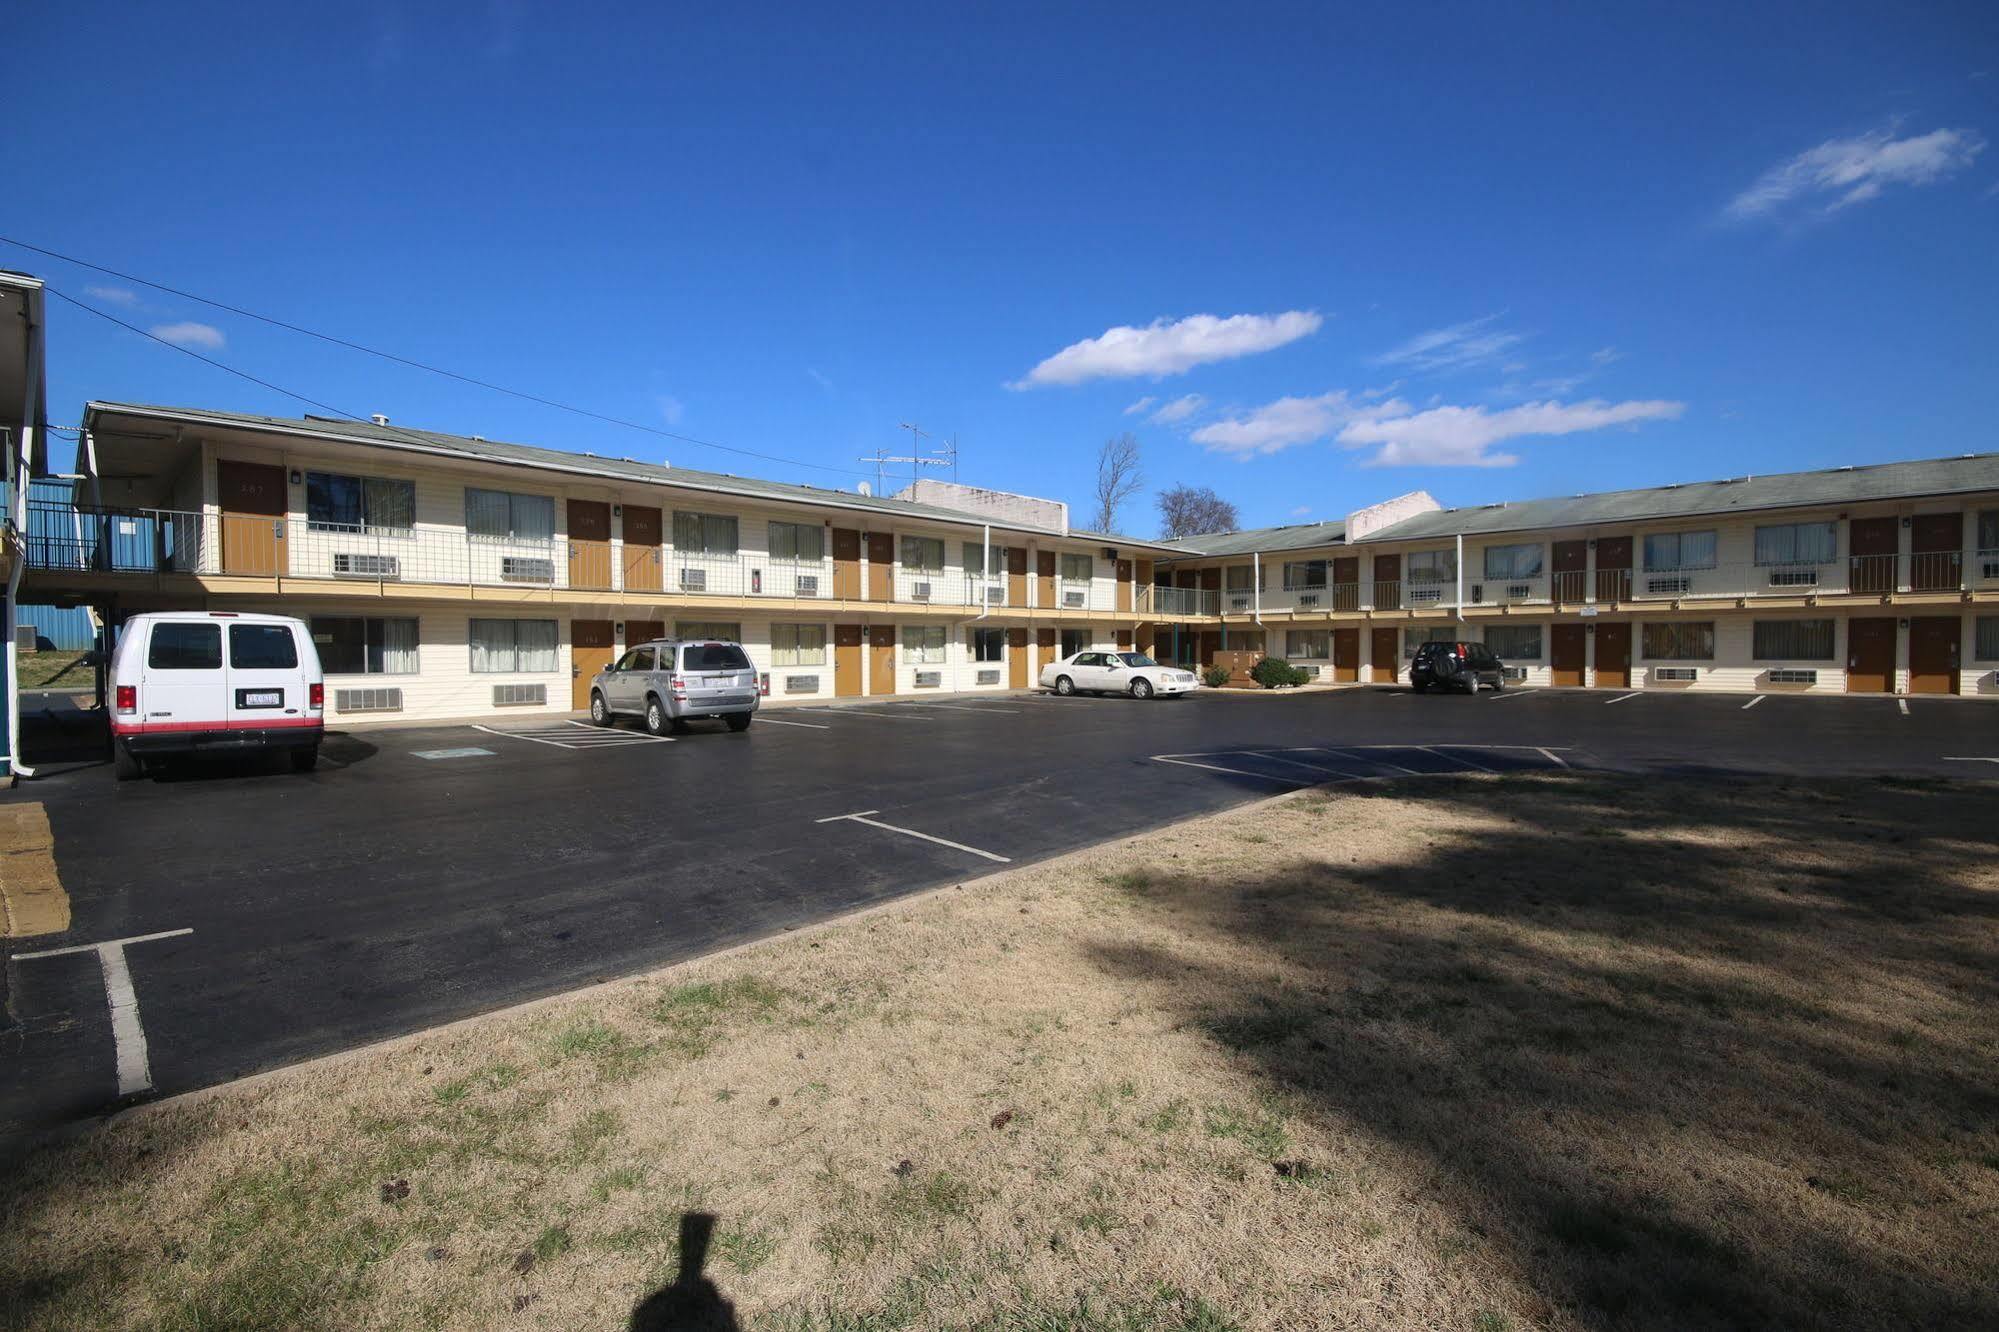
1336	255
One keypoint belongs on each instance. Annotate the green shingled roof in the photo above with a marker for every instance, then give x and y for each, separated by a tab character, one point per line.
1296	536
531	455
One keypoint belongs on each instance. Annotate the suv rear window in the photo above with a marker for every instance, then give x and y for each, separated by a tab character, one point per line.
262	647
185	647
713	657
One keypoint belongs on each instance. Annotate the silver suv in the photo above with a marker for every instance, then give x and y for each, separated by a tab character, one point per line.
669	683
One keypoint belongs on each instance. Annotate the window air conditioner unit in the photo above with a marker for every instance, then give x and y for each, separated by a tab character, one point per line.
366	566
1514	673
1680	674
995	596
801	684
693	580
807	585
367	700
526	569
1795	576
1239	603
929	679
1989	569
1309	599
1519	591
1794	676
1073	600
1478	591
989	677
1417	594
919	591
1671	586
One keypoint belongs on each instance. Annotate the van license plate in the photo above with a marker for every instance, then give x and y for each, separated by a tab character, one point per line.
263	698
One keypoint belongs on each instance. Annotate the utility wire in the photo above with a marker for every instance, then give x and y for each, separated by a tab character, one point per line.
387	356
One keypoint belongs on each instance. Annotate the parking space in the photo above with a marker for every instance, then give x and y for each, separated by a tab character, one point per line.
426	873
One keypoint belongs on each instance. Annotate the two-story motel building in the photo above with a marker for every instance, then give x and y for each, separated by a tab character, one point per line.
453	576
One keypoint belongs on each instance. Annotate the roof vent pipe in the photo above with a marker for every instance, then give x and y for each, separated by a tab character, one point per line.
379	419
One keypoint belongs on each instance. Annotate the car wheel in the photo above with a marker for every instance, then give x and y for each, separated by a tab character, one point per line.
656	718
305	760
600	711
125	765
1064	685
739	721
1141	689
1498	684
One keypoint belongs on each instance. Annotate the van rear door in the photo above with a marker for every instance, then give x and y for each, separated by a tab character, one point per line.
183	685
266	686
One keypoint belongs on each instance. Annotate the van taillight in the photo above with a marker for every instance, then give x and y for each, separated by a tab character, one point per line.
128	698
316	696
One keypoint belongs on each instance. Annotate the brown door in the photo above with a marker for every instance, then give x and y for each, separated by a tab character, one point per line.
1346	655
1124	640
1124	586
1571	566
1044	650
1148	638
1016	658
1568	646
1211	580
881	570
1044	578
1870	654
1143	591
1613	655
642	532
643	631
591	647
1387	582
881	659
1346	584
1209	643
847	654
1933	648
1613	573
1871	558
1385	663
1016	575
1936	554
847	570
252	499
589	543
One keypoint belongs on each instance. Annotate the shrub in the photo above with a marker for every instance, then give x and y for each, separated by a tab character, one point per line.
1274	674
1215	676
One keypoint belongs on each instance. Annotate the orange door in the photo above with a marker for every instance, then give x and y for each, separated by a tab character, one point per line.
1571	566
1613	656
1044	578
252	499
1044	650
1385	664
847	656
1613	570
847	569
881	569
1871	563
881	659
1933	649
591	647
589	543
1124	586
1016	658
1567	654
1870	654
642	532
1346	654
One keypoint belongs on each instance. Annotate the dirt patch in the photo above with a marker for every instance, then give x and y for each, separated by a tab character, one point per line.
1564	1051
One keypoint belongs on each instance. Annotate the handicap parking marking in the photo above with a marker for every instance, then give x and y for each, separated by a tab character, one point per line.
577	735
863	816
1438	760
1754	701
128	1034
463	751
1193	761
1621	698
1969	758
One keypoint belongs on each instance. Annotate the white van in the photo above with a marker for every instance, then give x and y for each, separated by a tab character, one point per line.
185	682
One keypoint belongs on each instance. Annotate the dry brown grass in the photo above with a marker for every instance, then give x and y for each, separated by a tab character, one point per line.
1568	1052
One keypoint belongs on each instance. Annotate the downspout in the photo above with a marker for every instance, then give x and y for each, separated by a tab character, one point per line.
1256	586
985	602
21	464
1461	581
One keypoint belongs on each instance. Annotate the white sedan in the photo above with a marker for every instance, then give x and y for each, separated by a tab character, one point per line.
1131	673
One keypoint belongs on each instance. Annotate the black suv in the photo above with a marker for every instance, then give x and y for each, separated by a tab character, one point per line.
1463	666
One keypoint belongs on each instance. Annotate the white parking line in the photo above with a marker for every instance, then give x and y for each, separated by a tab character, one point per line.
1552	757
1621	698
128	1035
810	726
1183	762
1903	704
598	738
1972	758
1349	753
956	707
892	716
1295	763
862	817
1503	695
1454	758
1754	701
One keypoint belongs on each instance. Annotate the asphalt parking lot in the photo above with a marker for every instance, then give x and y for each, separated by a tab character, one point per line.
232	918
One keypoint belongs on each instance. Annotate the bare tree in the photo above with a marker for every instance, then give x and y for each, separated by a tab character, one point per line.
1118	478
1194	511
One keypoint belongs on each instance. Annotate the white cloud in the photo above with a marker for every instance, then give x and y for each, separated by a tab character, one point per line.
1140	405
119	296
671	409
1178	410
1288	421
1842	172
187	333
1461	436
1302	511
1162	348
820	379
1470	343
1605	355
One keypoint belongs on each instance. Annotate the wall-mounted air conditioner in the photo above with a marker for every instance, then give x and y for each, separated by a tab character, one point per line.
1073	600
526	569
808	585
693	580
919	591
346	565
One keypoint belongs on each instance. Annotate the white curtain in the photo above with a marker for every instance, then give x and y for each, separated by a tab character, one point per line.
399	647
492	646
535	642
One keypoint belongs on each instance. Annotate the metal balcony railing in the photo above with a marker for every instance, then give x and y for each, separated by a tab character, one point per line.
1170	601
